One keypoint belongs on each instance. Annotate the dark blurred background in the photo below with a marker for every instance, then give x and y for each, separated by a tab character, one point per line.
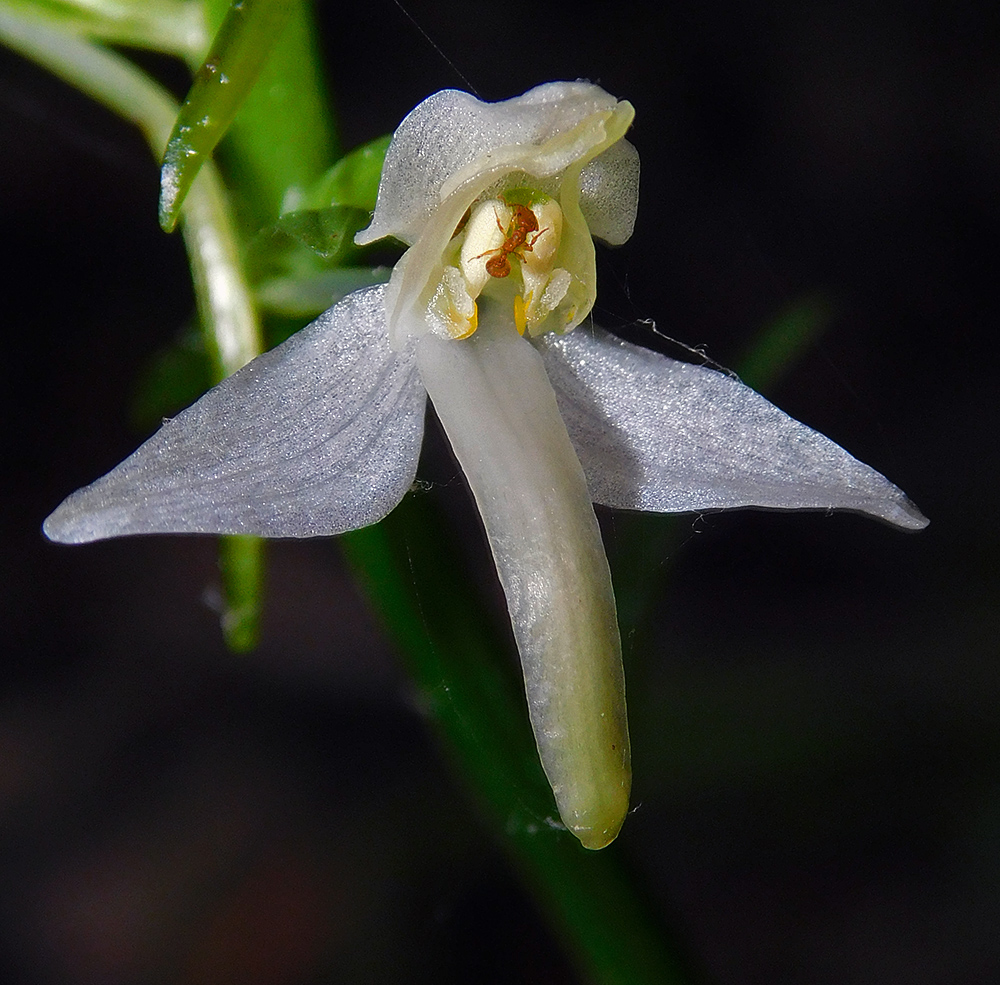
814	712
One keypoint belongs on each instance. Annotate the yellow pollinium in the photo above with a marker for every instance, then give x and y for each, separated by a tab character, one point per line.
520	315
471	323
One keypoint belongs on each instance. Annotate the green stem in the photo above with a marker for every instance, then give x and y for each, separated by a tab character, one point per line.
227	312
224	301
241	563
174	27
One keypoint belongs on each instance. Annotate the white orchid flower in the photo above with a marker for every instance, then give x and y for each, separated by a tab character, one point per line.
498	203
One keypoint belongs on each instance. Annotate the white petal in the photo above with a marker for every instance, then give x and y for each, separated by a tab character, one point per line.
495	402
453	134
609	193
318	436
661	435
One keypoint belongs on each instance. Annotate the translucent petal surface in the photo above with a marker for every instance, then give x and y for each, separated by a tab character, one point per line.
318	436
609	193
495	402
656	434
452	135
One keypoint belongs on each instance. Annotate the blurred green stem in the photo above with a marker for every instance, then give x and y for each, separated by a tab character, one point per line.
784	340
174	27
241	564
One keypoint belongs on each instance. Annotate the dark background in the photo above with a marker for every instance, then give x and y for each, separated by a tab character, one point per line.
815	720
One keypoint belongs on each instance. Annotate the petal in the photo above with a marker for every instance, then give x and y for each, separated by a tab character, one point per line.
454	134
498	409
609	193
318	436
657	434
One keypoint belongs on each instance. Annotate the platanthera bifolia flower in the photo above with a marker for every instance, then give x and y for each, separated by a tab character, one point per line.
498	203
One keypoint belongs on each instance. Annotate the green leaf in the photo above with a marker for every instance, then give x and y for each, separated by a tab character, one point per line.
305	243
239	51
283	138
353	180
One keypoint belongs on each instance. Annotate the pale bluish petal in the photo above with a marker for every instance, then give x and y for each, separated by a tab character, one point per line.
498	409
318	436
661	435
609	193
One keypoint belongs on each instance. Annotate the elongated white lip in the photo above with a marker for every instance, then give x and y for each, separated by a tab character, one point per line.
497	406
